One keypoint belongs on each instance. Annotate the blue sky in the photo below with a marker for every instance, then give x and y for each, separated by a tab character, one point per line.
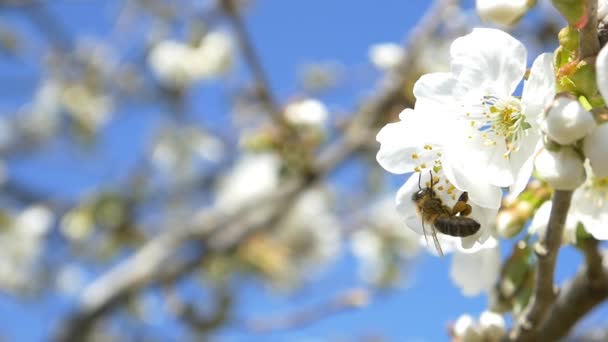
287	35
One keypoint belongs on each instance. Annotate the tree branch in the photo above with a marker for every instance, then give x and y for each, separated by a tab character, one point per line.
589	43
546	250
579	296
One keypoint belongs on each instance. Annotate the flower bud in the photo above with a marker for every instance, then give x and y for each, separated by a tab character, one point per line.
492	326
562	169
465	329
601	66
386	56
503	12
567	121
307	112
595	147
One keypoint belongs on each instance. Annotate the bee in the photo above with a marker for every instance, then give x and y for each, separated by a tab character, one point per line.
450	221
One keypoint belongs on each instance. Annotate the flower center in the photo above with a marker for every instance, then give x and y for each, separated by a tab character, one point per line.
501	119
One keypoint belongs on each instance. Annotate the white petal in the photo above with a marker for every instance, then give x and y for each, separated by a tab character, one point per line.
406	206
522	163
475	273
539	89
436	91
490	60
492	325
402	143
602	70
465	329
562	169
463	171
567	121
595	147
503	12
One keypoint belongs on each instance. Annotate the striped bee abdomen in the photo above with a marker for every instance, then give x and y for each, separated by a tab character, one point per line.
460	226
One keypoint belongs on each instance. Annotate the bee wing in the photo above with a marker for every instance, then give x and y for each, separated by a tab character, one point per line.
434	234
436	242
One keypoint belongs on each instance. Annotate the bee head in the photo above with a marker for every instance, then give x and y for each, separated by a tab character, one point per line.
420	194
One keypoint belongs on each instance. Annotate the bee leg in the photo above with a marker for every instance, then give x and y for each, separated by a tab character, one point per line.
464	197
461	207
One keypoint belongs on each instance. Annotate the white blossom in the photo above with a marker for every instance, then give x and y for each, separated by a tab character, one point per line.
169	61
307	112
567	121
477	272
383	233
252	177
213	57
490	136
601	66
595	147
563	169
386	56
539	222
21	244
492	326
602	9
466	329
311	231
178	64
504	12
590	205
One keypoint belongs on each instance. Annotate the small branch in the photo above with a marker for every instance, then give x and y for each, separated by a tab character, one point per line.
352	299
263	89
546	251
588	38
579	296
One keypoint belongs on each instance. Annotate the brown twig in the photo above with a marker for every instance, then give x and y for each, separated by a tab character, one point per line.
579	296
546	250
263	88
589	43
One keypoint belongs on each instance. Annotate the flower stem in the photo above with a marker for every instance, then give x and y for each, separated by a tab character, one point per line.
546	251
589	43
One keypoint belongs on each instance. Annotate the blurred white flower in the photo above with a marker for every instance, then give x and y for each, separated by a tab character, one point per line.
177	64
541	219
492	326
252	177
383	237
21	245
180	150
386	56
89	108
168	60
466	329
595	147
562	169
567	121
503	12
476	272
590	205
311	232
602	9
307	112
213	56
42	117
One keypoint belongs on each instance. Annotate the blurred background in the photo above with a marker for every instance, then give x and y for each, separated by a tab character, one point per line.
205	170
